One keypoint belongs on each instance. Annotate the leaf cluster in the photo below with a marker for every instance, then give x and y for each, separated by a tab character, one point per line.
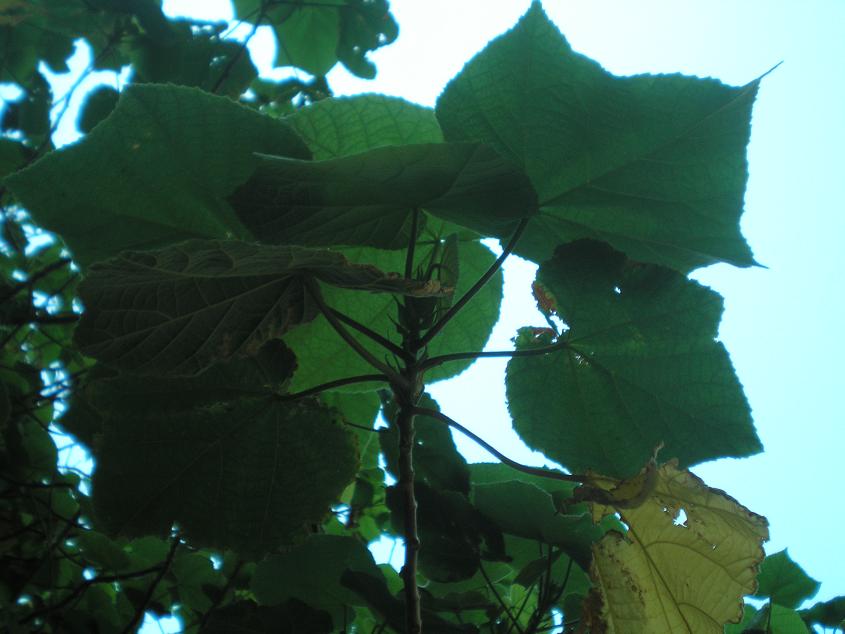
232	293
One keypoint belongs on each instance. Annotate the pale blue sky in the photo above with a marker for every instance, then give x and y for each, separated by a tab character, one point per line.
782	323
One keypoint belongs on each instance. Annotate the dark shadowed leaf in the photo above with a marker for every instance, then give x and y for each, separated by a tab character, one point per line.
640	366
654	165
311	572
250	475
366	199
245	617
784	582
153	173
180	309
827	613
98	105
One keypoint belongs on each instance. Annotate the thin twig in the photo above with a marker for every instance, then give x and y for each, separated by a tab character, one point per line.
513	464
489	582
382	341
224	74
344	334
458	356
457	306
412	243
413	614
317	389
35	277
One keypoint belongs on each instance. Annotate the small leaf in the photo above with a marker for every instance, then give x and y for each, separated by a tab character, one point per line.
784	582
667	576
102	551
827	613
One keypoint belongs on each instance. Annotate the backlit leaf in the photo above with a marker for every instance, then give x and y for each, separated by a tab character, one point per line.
671	574
639	366
654	165
784	582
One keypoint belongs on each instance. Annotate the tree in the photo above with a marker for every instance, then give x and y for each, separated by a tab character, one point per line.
249	272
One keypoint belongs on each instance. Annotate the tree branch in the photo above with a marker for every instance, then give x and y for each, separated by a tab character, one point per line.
382	341
513	464
328	313
457	356
34	278
413	615
412	244
457	306
317	389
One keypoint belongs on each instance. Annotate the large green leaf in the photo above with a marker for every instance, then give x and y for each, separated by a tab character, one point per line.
182	308
323	356
654	165
156	171
248	475
784	582
639	366
366	199
349	125
245	617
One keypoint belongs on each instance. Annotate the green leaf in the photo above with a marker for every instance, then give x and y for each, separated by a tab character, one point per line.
308	37
366	199
784	582
654	165
195	574
350	125
98	105
249	475
155	172
102	551
180	309
311	572
639	366
13	156
323	356
827	613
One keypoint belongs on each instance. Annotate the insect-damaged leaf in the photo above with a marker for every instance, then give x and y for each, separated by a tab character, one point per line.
180	309
654	165
668	575
639	366
366	199
248	475
154	172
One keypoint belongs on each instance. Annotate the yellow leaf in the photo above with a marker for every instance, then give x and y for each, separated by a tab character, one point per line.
670	575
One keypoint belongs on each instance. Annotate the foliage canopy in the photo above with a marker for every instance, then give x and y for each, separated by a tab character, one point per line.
245	274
